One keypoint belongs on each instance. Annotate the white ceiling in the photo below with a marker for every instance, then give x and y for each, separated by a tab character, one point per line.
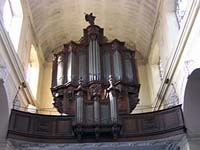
59	21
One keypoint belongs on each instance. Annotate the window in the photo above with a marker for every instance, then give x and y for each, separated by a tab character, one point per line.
181	6
12	18
33	71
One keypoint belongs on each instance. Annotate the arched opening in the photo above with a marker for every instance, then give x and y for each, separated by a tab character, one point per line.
33	72
192	103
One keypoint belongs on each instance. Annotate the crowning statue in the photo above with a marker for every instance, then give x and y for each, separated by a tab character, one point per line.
90	18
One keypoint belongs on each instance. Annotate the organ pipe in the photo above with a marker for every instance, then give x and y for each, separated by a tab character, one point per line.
117	65
71	67
94	61
79	107
60	69
96	110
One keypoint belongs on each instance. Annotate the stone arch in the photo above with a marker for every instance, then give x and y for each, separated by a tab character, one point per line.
191	104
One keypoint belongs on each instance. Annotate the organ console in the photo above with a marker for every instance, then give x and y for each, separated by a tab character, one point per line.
96	81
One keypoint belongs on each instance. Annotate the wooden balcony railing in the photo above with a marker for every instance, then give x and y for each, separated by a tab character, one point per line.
46	128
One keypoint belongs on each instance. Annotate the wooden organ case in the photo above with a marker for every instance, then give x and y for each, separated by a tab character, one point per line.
96	81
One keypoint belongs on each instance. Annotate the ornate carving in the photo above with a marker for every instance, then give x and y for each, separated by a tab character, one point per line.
95	90
90	18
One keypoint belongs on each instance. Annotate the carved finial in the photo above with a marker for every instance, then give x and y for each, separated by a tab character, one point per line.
90	18
111	81
80	85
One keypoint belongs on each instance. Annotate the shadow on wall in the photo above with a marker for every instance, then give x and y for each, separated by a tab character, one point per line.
191	105
4	112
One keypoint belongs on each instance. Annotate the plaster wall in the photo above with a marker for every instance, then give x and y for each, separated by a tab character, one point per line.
144	103
189	60
46	106
8	84
167	32
165	39
22	54
13	66
154	79
28	39
46	96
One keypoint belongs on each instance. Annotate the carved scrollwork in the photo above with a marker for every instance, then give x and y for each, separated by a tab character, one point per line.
95	90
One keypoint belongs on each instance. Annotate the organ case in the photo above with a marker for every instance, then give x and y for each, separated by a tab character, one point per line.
96	80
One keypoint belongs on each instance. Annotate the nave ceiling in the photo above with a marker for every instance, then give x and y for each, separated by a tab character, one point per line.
56	22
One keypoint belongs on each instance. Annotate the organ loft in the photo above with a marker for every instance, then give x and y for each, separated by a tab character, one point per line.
96	82
95	88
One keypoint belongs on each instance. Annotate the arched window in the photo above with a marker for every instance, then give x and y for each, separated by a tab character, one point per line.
33	71
12	18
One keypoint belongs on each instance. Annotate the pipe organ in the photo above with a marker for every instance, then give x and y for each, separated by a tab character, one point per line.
96	81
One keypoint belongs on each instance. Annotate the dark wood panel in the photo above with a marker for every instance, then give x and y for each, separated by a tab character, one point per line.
27	126
64	127
22	123
150	123
130	126
159	122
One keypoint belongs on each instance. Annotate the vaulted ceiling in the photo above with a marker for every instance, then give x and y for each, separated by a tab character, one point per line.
59	21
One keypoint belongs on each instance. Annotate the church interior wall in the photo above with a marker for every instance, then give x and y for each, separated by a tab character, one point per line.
144	104
165	34
46	101
165	38
189	60
20	59
164	44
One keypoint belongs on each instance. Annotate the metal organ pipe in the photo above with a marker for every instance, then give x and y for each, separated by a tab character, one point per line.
90	61
90	65
79	107
70	72
117	65
82	66
113	106
106	66
98	61
96	109
60	70
94	61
